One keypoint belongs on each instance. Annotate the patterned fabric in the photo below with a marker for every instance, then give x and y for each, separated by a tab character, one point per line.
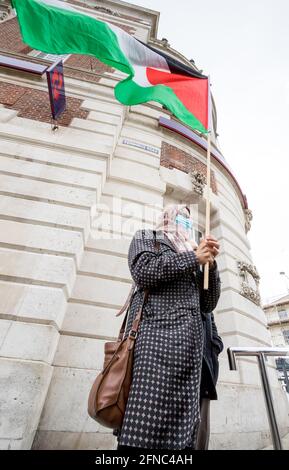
163	411
213	346
180	237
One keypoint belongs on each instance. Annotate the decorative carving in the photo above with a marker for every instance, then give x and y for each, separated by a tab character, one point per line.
108	11
5	9
248	217
165	42
198	179
246	290
250	268
250	294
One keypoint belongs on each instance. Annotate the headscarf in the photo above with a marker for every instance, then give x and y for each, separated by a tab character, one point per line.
177	234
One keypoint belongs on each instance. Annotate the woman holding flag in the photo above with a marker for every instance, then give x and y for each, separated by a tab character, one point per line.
163	410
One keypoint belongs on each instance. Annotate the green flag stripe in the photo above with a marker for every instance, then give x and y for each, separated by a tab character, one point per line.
130	93
57	31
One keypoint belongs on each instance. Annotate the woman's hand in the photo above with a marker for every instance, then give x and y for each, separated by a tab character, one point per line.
207	250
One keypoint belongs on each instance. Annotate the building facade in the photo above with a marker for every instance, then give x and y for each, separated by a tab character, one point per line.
70	202
277	313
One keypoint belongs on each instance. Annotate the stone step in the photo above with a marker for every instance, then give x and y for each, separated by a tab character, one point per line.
25	237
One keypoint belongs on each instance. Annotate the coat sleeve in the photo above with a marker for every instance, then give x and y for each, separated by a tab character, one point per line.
209	297
216	337
149	268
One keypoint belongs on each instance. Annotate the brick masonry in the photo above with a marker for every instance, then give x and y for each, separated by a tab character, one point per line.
10	39
173	157
34	104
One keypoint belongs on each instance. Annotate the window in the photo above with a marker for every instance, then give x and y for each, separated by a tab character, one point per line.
197	236
282	362
283	314
50	57
286	336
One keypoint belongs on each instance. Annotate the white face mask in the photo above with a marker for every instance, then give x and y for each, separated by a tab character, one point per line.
185	222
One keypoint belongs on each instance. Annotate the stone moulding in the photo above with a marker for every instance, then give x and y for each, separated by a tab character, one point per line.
108	11
248	218
246	290
5	10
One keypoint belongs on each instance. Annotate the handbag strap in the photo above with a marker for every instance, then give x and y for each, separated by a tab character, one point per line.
128	302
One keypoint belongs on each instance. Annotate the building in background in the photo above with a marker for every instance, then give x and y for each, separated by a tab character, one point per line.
277	313
70	202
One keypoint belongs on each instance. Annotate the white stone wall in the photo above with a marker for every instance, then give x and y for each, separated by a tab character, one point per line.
49	183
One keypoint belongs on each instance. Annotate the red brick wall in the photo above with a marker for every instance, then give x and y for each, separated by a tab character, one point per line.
34	104
173	157
10	38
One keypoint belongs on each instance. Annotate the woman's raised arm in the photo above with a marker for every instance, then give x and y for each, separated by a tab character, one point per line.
209	297
149	268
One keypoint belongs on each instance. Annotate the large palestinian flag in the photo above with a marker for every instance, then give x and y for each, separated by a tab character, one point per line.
55	27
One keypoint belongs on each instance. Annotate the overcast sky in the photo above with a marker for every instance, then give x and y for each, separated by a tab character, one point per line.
244	46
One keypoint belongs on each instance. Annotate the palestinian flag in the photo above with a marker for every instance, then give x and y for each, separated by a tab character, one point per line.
55	27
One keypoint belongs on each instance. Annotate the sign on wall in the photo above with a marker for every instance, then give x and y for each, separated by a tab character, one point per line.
55	79
148	148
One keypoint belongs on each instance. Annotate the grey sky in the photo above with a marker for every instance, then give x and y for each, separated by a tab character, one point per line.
244	46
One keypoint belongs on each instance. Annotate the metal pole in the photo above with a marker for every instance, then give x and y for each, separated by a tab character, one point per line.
261	354
285	375
269	403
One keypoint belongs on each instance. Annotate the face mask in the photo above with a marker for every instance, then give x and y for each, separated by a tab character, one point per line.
186	223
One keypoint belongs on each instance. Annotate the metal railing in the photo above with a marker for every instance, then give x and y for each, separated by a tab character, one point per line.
261	354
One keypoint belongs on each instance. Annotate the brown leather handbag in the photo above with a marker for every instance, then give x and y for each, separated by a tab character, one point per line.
109	392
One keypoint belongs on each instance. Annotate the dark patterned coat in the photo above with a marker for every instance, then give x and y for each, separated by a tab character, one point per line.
213	346
163	411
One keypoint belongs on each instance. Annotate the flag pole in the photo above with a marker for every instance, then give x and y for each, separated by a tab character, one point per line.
208	208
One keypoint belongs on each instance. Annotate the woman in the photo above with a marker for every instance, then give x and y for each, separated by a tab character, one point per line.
213	346
162	410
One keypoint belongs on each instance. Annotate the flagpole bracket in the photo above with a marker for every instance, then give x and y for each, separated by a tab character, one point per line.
54	125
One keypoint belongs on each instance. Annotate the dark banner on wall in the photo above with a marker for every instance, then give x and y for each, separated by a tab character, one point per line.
55	81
